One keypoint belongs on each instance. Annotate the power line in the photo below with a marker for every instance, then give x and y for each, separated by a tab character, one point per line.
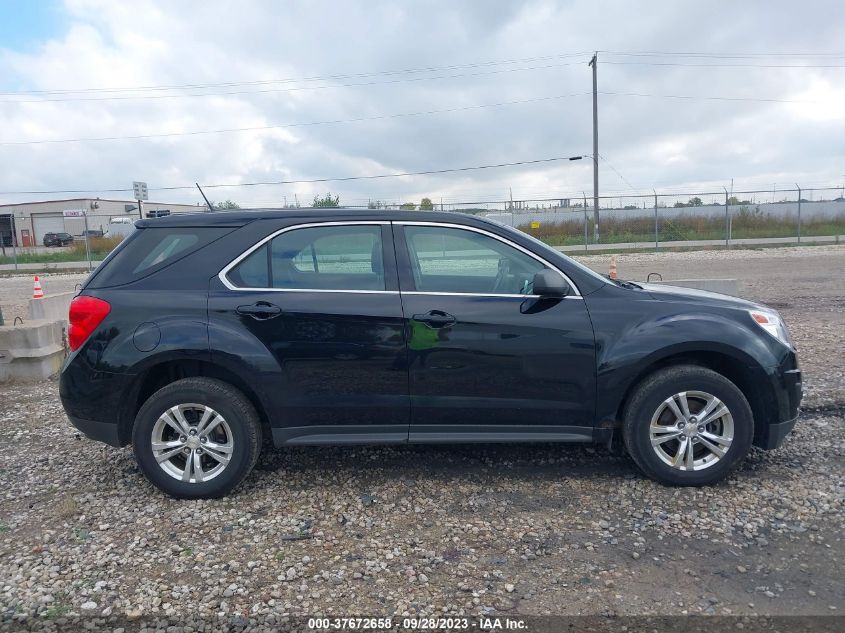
295	79
294	125
624	63
708	98
722	55
293	89
307	181
358	75
621	177
400	115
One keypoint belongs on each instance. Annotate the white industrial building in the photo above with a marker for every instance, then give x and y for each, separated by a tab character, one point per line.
29	221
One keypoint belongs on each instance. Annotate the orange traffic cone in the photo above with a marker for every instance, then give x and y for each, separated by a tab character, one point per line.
37	292
612	274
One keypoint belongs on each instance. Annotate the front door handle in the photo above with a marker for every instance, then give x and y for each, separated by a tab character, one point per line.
436	319
260	310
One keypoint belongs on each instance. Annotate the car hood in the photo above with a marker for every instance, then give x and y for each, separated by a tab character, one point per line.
693	295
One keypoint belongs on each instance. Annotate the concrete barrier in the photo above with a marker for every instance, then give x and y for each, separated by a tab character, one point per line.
723	286
32	351
52	307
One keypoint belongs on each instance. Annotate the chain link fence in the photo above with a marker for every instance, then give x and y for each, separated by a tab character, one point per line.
663	220
644	221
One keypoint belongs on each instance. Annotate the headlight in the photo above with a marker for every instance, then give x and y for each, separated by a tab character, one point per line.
773	324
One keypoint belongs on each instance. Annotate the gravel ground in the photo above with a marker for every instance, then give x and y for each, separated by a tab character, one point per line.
502	530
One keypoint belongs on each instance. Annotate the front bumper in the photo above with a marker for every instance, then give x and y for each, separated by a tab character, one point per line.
777	432
788	391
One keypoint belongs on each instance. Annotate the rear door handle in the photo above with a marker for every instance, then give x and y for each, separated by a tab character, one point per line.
260	310
435	319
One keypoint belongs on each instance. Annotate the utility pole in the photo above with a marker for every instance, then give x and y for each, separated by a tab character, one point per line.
594	64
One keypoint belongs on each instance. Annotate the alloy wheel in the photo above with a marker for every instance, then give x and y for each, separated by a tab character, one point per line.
691	430
192	442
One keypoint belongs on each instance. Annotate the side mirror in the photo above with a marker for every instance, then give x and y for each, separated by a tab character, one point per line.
550	285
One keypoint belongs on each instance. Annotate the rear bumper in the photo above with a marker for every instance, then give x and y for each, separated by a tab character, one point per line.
100	431
93	401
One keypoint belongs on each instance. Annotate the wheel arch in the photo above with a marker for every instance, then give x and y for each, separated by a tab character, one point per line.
736	367
160	374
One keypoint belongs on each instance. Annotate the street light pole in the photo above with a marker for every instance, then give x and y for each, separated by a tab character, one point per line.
594	64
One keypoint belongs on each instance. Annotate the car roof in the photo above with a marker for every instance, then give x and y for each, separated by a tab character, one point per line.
240	218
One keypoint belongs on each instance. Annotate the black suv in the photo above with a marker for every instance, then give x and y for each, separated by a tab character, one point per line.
200	335
57	239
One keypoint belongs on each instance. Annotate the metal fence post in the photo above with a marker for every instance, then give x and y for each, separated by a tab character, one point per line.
799	212
14	241
656	238
87	247
727	218
585	221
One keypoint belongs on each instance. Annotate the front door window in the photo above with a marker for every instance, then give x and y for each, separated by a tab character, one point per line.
446	259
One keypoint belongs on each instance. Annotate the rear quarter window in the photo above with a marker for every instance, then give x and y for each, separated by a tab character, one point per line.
149	250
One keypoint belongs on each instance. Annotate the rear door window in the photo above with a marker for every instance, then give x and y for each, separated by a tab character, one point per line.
347	257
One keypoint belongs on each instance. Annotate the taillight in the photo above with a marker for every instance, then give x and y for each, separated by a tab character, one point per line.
86	313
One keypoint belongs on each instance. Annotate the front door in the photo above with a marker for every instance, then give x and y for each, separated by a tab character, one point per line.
488	361
315	315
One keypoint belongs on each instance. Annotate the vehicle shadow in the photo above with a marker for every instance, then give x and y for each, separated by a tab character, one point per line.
482	463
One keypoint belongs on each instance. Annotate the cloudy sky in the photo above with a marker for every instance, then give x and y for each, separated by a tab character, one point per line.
350	89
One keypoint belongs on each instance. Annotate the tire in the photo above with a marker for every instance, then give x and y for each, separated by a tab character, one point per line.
655	435
226	446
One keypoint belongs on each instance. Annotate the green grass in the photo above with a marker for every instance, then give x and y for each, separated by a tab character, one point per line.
100	247
57	611
745	224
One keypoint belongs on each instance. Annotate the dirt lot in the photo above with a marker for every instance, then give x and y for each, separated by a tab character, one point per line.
502	530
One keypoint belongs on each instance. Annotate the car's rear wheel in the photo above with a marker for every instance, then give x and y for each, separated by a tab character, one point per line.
687	426
197	438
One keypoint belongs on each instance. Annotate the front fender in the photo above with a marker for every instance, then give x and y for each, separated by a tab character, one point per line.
633	340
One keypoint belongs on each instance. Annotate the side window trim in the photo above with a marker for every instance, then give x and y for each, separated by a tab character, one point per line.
407	254
223	274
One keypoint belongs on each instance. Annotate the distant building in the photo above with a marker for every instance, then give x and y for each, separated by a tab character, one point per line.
29	221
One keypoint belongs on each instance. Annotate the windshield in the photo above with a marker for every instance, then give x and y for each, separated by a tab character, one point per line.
542	248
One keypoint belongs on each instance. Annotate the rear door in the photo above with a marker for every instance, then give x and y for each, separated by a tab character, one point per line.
313	314
489	361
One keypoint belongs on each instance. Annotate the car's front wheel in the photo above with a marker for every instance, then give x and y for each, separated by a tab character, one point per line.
197	438
687	426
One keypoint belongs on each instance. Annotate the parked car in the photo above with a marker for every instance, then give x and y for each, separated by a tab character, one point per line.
57	239
91	233
201	335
